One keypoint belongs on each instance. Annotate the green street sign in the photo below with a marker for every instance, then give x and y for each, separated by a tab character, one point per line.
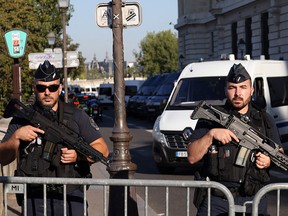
15	40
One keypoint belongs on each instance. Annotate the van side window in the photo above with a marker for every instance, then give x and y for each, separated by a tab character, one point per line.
259	95
278	88
258	87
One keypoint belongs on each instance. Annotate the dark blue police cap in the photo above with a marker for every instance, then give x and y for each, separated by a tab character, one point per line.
238	74
46	72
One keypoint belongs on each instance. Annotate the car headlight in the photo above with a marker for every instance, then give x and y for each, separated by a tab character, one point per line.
157	135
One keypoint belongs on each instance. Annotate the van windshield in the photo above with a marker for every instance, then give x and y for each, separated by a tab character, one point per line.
190	91
146	90
165	90
130	90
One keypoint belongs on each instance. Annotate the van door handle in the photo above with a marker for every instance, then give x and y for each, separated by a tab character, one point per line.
275	116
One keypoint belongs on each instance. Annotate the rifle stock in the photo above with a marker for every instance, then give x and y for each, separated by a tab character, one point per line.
54	131
250	138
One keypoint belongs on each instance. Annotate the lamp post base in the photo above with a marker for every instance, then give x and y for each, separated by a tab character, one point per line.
122	168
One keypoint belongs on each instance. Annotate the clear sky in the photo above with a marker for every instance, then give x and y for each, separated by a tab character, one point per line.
93	40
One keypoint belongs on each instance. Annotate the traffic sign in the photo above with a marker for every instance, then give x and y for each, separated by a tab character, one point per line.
16	41
72	55
41	57
55	58
131	14
57	64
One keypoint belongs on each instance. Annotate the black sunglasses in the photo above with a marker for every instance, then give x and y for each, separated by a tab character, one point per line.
51	88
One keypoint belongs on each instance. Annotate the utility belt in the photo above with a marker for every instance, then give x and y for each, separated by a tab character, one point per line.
234	191
51	188
36	191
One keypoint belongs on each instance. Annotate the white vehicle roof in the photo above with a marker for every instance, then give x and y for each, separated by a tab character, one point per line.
221	68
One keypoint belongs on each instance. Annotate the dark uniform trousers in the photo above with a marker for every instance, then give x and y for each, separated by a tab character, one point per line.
220	206
55	204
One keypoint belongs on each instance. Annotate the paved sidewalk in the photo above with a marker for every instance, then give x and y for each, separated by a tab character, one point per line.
94	194
13	208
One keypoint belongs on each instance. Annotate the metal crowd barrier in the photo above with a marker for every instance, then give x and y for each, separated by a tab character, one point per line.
19	185
263	191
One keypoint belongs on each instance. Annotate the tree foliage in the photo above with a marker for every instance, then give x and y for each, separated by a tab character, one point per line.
37	18
158	53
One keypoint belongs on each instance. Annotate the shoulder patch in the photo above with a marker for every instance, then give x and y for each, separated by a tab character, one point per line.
93	124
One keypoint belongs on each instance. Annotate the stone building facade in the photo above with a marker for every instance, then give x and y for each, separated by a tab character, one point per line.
209	29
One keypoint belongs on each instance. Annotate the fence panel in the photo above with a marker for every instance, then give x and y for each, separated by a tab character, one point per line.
19	185
264	191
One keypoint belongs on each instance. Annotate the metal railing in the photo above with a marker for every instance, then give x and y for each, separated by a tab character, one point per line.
19	185
263	191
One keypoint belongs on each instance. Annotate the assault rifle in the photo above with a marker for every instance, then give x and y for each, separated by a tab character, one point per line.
55	131
250	139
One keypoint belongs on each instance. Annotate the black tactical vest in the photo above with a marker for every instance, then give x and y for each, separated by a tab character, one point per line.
41	158
219	163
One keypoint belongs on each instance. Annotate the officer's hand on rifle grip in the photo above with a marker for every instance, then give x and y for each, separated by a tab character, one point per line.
28	133
223	135
68	155
262	161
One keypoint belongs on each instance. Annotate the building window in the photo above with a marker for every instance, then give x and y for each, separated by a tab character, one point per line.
212	43
264	35
234	39
248	36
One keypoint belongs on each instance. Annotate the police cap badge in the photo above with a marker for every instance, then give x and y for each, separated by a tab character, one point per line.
46	72
238	74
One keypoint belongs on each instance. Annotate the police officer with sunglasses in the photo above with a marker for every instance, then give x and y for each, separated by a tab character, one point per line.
38	157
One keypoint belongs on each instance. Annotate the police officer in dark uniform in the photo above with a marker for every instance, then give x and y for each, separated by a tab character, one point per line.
218	148
38	157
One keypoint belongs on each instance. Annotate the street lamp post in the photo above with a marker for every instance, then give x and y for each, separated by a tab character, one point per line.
51	39
121	165
63	5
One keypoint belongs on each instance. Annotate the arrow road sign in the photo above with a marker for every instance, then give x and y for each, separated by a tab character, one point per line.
131	14
41	57
72	55
57	64
55	58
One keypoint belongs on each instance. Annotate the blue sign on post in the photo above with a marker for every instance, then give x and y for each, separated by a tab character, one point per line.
16	40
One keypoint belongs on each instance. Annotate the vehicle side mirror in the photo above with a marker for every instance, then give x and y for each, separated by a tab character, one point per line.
163	104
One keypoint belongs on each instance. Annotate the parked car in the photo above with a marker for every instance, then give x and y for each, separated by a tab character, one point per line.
145	93
155	103
131	88
146	89
106	94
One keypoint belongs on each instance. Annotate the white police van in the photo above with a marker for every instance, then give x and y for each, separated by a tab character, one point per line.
106	94
206	81
106	91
